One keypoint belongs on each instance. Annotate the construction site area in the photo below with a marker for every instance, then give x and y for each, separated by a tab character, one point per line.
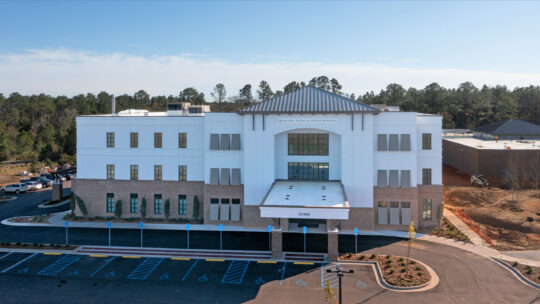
505	219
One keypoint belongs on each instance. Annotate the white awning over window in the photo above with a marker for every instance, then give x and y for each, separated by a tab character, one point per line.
306	199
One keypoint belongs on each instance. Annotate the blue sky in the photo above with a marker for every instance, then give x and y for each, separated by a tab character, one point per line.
413	43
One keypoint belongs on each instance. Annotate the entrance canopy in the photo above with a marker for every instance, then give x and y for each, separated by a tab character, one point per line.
306	199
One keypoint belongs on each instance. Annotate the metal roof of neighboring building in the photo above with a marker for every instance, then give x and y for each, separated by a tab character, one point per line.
308	100
513	127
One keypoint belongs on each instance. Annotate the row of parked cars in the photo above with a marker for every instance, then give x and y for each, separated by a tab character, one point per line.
31	184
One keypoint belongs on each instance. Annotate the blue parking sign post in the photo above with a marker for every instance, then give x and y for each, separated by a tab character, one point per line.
220	236
109	225
67	225
355	240
187	228
305	232
269	237
141	225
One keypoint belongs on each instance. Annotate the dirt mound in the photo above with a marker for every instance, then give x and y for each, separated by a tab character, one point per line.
470	196
511	205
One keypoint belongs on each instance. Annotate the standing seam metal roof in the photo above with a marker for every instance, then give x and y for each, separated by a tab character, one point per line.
510	127
308	100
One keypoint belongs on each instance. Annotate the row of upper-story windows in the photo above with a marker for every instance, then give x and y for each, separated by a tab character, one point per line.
158	140
400	142
400	178
225	142
158	172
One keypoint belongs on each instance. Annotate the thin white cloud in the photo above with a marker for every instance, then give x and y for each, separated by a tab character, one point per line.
68	72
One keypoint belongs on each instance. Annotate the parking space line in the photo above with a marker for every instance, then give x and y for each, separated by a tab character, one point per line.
180	259
52	253
59	265
6	255
215	260
144	269
98	256
131	257
19	262
267	262
189	270
303	263
283	273
101	267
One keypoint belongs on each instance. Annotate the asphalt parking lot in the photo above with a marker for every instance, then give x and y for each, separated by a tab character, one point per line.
219	278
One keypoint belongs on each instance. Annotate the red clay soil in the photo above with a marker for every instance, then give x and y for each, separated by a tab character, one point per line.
454	177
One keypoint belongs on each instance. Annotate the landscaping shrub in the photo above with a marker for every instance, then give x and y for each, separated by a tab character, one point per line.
167	208
403	270
401	259
143	208
362	257
515	264
412	262
72	202
372	257
402	264
80	204
391	271
420	273
118	209
529	270
418	268
388	256
387	266
349	255
196	204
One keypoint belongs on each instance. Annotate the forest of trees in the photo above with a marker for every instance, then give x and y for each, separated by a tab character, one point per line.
42	127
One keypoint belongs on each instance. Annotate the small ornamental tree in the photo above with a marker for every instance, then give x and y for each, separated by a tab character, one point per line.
118	209
411	235
72	203
80	204
196	207
143	208
329	294
167	208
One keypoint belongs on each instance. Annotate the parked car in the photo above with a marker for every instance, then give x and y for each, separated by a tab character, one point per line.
17	188
47	176
33	186
45	182
69	176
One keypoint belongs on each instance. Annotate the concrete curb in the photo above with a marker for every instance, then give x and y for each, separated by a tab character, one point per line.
433	282
55	205
7	199
517	274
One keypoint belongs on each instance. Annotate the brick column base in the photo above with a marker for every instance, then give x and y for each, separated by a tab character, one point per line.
277	244
333	252
57	192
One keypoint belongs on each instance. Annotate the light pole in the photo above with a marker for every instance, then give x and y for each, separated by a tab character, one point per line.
340	273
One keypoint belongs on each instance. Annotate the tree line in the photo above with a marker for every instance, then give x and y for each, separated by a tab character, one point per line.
42	127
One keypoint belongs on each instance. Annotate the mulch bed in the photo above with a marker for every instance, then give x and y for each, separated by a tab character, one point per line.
396	271
530	272
449	231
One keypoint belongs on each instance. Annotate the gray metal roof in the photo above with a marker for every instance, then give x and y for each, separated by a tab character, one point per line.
308	100
513	127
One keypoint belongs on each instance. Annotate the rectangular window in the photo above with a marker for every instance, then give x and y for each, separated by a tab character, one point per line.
405	178
158	172
426	176
110	139
382	144
214	176
235	177
382	179
426	141
110	202
158	143
405	142
134	172
158	208
225	143
236	201
214	209
182	140
182	173
394	178
308	143
225	176
133	202
134	140
214	141
308	171
182	204
393	142
110	171
235	142
426	209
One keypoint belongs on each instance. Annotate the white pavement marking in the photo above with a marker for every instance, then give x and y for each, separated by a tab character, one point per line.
18	263
283	273
6	255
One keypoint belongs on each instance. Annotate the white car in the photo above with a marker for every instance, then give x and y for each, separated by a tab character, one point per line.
17	188
33	185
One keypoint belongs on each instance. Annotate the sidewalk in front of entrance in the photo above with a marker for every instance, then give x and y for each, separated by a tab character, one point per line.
531	257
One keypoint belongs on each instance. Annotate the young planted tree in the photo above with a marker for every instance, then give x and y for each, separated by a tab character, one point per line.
118	209
329	293
411	234
534	171
514	175
196	207
167	208
143	208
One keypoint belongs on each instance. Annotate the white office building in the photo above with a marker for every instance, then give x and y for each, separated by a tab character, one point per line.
307	158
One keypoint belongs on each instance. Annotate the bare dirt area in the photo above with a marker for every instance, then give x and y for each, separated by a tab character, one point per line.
496	216
494	213
9	174
530	272
44	218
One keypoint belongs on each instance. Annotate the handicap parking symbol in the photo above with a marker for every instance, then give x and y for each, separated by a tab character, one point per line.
24	270
74	273
111	274
203	278
300	282
164	276
361	284
259	281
